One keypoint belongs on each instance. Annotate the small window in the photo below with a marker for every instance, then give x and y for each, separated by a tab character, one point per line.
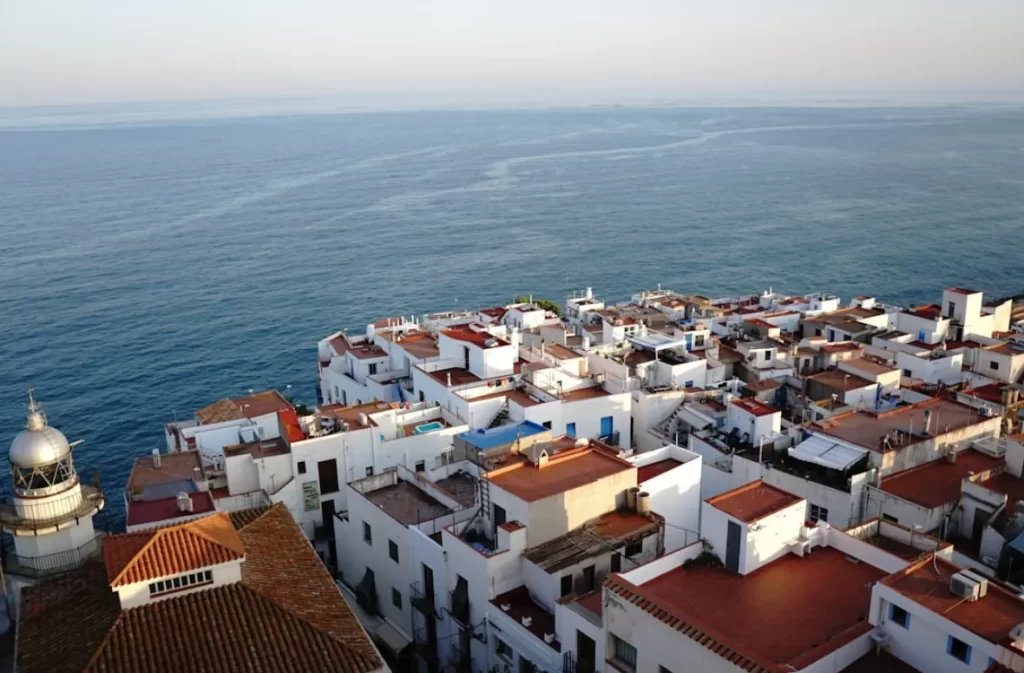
502	649
688	384
422	397
993	365
623	653
367	534
393	550
907	373
890	517
958	649
950	309
698	341
369	471
547	424
396	598
616	562
634	549
566	585
421	465
302	467
898	615
819	513
209	575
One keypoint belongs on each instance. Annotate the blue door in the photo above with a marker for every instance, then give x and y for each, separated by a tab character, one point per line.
570	429
732	547
606	426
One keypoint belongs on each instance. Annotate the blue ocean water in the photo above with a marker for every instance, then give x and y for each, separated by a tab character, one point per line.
148	268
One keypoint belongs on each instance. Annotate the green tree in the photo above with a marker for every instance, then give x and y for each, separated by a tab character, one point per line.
545	304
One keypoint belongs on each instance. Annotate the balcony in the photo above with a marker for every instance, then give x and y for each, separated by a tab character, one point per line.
421	601
50	565
21	517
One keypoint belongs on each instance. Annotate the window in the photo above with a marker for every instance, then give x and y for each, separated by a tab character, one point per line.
369	471
302	467
588	579
993	365
623	653
327	471
396	598
688	384
819	513
367	534
393	550
890	517
422	396
898	615
908	373
547	424
421	465
570	429
566	585
616	562
831	335
958	649
502	649
634	549
373	368
698	341
182	582
950	308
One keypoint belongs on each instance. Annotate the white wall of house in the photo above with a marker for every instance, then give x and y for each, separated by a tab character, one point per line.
570	620
881	504
923	644
676	494
946	369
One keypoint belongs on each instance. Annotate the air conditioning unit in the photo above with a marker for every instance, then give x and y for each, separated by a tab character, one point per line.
981	581
964	587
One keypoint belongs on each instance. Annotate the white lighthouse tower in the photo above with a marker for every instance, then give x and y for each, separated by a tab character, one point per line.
46	509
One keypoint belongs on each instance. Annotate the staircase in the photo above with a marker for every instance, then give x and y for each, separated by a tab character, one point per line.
500	417
664	429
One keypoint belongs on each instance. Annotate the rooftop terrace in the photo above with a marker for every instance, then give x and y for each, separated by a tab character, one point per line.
870	430
753	501
562	472
407	504
938	483
775	617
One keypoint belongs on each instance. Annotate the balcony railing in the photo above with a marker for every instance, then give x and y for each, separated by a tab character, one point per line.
50	564
17	514
422	601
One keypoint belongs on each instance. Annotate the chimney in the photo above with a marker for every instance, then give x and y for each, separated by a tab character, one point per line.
449	379
928	421
156	459
184	503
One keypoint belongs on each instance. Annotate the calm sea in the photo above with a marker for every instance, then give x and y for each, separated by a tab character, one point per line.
149	267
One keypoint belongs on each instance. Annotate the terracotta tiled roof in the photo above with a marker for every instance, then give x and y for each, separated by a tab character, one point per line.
171	551
285	615
219	412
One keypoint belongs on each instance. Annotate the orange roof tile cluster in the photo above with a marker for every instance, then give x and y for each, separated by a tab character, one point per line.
146	556
769	621
250	406
753	501
937	483
562	472
285	615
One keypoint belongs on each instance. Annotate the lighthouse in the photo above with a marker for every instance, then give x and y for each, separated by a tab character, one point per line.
45	509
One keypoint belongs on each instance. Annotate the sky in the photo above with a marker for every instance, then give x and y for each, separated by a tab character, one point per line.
67	52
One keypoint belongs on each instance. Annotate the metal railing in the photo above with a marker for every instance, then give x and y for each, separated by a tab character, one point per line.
22	514
49	564
422	601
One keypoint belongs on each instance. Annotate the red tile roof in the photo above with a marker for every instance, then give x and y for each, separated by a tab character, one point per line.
648	472
479	339
285	615
927	584
937	483
562	472
754	407
842	347
769	621
960	290
992	392
753	501
165	509
143	557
